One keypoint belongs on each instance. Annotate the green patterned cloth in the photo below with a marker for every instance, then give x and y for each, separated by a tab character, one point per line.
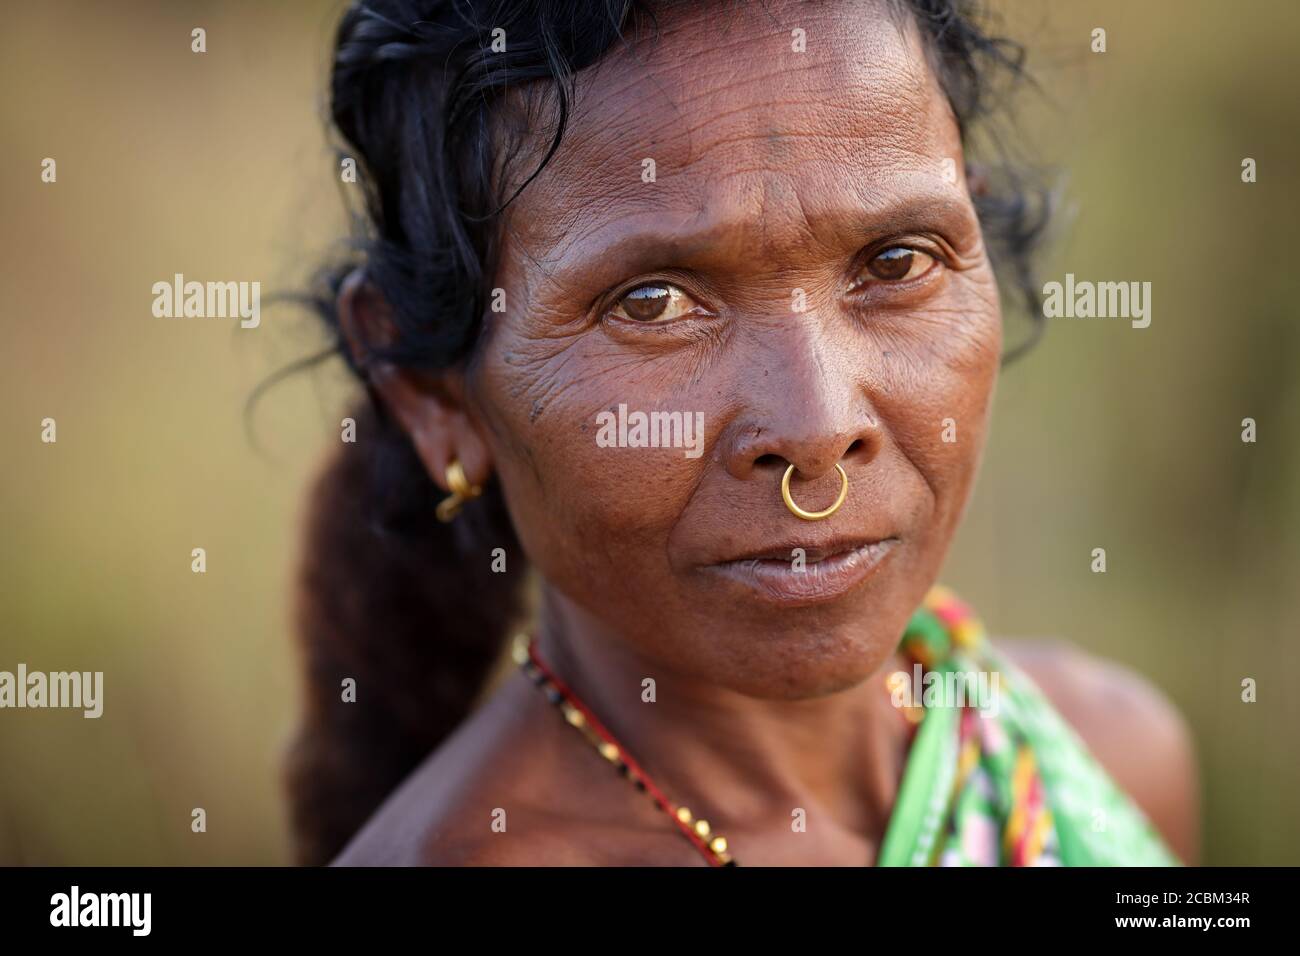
998	778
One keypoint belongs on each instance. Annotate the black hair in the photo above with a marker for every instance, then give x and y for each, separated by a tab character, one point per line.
386	596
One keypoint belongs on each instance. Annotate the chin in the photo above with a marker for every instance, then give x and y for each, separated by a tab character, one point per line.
803	659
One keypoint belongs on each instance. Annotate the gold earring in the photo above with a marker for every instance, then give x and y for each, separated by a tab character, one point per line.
814	515
461	492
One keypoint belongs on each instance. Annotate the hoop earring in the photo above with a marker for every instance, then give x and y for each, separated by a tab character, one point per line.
461	492
814	515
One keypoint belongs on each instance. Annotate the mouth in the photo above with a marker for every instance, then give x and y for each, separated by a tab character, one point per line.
825	572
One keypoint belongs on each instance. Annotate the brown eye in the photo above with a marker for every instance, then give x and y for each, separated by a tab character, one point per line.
654	302
900	263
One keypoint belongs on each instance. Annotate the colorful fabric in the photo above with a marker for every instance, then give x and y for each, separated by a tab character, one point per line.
995	776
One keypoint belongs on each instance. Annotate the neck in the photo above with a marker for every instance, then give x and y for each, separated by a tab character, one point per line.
739	760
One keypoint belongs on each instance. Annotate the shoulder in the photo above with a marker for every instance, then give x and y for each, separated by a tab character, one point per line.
474	801
1130	726
513	787
477	829
463	837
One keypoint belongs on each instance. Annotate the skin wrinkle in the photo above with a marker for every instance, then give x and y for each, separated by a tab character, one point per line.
567	256
739	164
918	88
553	364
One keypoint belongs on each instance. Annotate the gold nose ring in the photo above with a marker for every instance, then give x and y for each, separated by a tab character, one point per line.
814	515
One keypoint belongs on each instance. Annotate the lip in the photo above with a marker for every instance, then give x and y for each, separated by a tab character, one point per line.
830	572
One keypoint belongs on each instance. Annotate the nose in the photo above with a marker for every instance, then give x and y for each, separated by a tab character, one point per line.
814	414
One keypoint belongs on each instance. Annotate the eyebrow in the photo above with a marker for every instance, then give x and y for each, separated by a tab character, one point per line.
626	245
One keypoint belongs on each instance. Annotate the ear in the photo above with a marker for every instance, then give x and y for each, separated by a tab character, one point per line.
429	406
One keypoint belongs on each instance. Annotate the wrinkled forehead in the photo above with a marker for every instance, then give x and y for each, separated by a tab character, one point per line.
823	103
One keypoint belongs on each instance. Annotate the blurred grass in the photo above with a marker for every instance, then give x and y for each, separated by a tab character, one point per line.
216	166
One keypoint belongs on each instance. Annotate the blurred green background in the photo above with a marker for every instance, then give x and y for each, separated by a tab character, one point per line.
216	166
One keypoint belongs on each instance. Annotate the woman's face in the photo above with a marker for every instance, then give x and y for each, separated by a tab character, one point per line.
803	273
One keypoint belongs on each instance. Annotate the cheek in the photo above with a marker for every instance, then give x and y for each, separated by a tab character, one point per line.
936	375
581	508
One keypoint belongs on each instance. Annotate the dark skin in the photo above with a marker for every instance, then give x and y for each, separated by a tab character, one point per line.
775	171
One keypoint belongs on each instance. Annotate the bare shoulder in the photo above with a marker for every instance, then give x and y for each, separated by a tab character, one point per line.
501	836
485	825
466	831
477	800
513	786
1129	724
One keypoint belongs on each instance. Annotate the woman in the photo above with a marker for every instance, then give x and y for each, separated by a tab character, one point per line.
689	308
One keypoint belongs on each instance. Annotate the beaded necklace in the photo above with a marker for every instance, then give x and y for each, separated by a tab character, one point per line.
712	845
1015	786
